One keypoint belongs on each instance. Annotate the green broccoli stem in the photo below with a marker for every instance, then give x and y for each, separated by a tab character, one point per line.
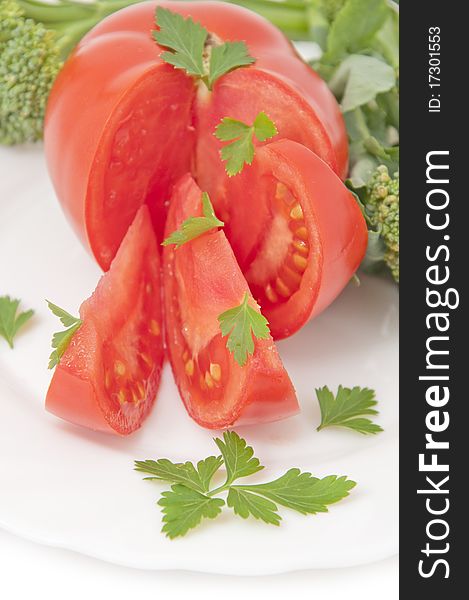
69	19
288	15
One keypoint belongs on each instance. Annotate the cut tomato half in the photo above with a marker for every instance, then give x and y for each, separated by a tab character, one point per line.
300	237
122	125
108	377
202	280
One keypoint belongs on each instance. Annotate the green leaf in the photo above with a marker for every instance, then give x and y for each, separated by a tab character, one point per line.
225	58
241	323
195	226
197	478
343	409
191	499
303	492
62	339
10	321
185	39
244	503
359	79
189	50
264	128
66	318
238	457
354	27
184	509
241	150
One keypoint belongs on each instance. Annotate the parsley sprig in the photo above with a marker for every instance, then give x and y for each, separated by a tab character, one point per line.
240	324
347	409
191	498
62	339
188	49
195	226
10	320
241	151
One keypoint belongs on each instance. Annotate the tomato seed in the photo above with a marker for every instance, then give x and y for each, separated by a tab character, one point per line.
119	368
271	295
282	288
215	371
302	233
155	327
296	212
208	380
300	262
189	367
301	246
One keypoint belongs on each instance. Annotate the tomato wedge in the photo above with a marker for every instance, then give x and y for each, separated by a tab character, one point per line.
108	377
122	125
298	239
201	280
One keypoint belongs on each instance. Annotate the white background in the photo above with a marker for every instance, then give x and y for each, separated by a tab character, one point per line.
28	570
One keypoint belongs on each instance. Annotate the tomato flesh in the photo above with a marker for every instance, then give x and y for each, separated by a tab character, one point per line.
301	238
201	280
108	377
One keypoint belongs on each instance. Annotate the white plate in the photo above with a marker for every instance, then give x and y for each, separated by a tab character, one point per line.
65	486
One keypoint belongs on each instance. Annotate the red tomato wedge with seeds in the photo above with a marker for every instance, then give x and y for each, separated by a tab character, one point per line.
202	280
296	230
122	125
108	377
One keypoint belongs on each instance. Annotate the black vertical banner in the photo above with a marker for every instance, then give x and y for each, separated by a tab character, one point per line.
434	332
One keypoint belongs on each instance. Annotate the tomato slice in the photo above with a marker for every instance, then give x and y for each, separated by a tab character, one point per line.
296	230
201	280
109	375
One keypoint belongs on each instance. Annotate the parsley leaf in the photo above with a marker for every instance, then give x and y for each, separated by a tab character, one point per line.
244	503
195	226
241	150
10	321
238	457
225	58
197	478
185	38
62	339
191	499
190	50
240	324
347	409
184	509
303	492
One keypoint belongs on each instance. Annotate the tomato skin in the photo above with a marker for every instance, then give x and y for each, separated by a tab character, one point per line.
202	280
333	225
108	377
106	161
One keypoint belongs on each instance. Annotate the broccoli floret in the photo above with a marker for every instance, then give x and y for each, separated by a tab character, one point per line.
29	63
35	38
382	209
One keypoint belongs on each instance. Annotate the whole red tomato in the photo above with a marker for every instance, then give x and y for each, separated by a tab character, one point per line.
122	125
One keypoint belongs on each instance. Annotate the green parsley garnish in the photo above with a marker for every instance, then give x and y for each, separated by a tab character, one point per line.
10	321
347	408
61	339
240	324
241	150
195	226
189	50
192	498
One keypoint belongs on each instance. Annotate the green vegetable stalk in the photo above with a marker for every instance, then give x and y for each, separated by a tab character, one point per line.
35	38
